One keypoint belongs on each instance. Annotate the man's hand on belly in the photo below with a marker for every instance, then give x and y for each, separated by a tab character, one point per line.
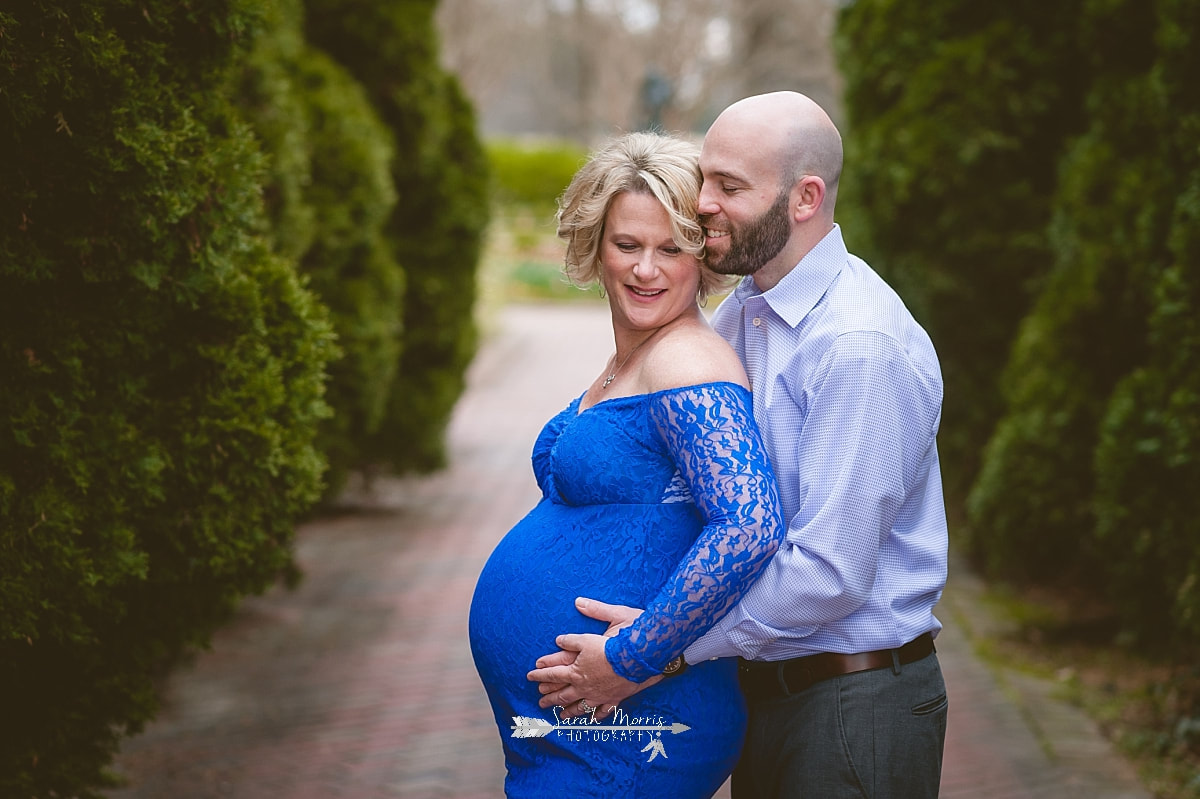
581	671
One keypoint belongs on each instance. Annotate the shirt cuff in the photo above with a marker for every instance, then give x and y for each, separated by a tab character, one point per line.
728	638
713	644
739	634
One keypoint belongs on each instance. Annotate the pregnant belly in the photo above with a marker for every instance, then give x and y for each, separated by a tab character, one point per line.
525	595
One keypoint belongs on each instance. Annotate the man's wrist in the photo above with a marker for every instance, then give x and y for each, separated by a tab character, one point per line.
676	666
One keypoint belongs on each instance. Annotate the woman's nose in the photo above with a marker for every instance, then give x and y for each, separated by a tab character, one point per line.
645	266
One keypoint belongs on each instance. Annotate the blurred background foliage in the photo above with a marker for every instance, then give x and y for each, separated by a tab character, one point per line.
237	262
245	252
1028	182
1027	177
523	256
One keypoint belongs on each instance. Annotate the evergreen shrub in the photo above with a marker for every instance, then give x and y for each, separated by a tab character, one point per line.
952	140
436	228
1031	510
162	370
532	174
1148	457
330	197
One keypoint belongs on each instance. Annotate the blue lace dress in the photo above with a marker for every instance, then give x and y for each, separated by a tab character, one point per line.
662	501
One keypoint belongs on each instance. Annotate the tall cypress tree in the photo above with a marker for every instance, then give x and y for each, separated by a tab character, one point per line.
330	198
162	370
436	228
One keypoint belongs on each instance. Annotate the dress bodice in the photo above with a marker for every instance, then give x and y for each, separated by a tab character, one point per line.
587	457
695	444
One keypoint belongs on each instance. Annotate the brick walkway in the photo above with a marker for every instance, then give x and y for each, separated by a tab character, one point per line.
359	683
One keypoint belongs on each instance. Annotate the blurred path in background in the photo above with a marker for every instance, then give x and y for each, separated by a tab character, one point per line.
359	683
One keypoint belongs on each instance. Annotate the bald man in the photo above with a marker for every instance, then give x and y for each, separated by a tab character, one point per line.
835	639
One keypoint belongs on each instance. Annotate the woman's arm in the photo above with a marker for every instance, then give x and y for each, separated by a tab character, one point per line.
712	437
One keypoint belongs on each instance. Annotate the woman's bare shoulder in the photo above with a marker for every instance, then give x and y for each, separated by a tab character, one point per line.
690	356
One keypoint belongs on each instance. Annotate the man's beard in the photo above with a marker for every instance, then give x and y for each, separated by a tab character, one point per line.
760	241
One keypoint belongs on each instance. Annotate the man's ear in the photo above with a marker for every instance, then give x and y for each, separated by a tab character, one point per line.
807	197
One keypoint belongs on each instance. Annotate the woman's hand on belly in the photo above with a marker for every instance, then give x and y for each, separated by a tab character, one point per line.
580	669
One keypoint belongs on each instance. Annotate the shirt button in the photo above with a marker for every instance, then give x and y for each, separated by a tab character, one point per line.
757	322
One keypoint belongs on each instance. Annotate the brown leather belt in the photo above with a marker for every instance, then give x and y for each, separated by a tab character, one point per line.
774	679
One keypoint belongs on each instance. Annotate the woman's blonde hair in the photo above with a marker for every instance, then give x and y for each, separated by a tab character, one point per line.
643	163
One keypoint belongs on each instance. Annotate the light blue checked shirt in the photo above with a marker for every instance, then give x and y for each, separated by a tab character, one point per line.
848	393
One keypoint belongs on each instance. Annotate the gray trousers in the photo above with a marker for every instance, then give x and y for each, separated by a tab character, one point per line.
871	735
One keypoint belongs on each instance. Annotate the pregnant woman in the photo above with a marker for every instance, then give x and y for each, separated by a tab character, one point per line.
656	491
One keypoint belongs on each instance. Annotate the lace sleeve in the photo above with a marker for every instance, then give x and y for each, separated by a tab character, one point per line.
711	433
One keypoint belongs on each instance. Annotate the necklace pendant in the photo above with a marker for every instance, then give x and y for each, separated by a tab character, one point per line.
608	380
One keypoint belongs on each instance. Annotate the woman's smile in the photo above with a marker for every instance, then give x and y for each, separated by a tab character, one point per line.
654	279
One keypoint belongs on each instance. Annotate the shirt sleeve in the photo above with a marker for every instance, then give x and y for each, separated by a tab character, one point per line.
711	435
872	415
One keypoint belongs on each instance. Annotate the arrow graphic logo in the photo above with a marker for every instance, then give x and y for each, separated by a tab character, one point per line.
526	727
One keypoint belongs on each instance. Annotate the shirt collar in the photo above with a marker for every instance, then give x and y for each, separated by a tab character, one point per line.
801	288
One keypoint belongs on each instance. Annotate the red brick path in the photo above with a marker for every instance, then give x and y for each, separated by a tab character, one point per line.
359	683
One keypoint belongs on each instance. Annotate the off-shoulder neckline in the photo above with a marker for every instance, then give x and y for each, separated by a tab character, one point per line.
578	402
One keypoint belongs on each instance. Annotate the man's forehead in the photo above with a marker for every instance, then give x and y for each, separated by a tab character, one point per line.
718	160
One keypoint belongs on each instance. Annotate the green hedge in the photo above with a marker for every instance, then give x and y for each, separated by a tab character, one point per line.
330	197
532	174
952	137
1029	178
436	228
1148	456
162	370
1031	510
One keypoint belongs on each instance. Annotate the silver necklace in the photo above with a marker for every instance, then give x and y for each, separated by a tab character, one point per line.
613	374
